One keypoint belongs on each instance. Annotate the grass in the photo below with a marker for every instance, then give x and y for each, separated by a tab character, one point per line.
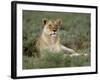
74	33
51	60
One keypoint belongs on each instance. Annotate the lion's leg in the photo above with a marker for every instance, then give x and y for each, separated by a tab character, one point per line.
73	53
67	49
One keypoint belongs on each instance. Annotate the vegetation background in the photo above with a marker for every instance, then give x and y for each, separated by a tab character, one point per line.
74	33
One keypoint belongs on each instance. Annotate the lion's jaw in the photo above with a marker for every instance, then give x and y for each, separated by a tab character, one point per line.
51	42
51	36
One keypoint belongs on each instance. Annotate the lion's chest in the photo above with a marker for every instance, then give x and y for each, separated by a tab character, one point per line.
52	45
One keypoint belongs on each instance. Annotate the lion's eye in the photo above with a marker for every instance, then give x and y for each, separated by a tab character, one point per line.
56	27
50	26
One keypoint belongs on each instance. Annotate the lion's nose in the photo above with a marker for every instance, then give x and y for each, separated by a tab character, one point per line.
54	30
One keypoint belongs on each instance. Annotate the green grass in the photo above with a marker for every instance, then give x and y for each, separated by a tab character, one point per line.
74	33
54	60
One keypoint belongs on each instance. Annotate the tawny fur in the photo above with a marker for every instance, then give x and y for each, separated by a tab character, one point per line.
49	39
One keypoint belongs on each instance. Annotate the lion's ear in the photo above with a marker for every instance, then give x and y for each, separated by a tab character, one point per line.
59	22
44	21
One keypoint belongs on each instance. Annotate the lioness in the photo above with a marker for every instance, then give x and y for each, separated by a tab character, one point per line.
49	39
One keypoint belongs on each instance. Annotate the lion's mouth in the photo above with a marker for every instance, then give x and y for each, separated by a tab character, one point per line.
53	34
53	37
